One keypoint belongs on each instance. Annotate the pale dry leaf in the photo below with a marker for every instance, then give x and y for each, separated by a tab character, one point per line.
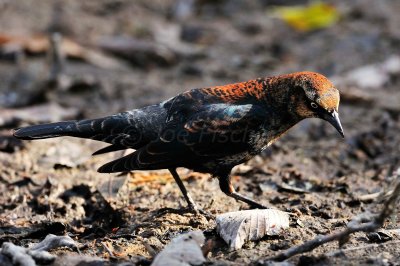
238	227
184	250
373	76
37	254
52	241
17	254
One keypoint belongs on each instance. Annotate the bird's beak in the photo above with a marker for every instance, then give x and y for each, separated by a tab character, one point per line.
333	118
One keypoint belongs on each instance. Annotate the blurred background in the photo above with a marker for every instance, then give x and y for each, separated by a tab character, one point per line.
126	54
75	59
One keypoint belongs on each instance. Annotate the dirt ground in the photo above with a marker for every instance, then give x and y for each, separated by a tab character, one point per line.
149	51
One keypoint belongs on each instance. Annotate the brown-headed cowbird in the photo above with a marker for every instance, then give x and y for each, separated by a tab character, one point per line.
207	130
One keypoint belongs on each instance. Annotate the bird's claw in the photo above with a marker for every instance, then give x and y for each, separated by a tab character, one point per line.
189	209
200	211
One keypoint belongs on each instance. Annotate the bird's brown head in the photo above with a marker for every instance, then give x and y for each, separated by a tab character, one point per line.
313	95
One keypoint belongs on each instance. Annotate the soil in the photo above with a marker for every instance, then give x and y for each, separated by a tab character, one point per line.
51	186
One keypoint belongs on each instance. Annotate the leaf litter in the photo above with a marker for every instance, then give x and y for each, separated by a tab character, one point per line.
184	250
359	165
238	227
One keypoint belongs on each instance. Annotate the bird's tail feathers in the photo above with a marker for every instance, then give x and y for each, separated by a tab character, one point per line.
89	128
45	131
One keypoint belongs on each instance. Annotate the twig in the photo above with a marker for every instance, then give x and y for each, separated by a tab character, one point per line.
369	197
107	249
359	224
56	59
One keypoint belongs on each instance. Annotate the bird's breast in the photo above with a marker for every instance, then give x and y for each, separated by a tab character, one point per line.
260	140
271	131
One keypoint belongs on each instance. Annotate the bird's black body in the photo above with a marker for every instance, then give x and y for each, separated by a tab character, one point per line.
207	130
212	138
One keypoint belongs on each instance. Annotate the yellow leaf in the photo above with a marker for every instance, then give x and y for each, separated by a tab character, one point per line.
307	18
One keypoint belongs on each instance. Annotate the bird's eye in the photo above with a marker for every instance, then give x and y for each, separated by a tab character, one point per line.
314	105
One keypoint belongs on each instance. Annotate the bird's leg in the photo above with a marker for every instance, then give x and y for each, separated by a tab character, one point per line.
186	195
226	187
191	205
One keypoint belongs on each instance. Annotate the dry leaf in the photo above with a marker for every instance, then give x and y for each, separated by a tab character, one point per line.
237	227
18	255
374	76
39	43
154	179
52	241
37	254
184	250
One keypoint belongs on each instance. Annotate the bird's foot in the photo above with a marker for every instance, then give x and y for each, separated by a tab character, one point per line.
189	209
253	204
197	210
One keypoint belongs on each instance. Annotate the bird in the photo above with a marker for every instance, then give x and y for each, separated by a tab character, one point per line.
208	130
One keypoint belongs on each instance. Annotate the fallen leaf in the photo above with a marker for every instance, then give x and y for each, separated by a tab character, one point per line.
237	227
373	76
184	250
18	255
39	44
37	254
317	15
52	241
154	179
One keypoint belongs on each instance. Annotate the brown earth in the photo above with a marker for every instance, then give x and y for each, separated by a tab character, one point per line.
52	186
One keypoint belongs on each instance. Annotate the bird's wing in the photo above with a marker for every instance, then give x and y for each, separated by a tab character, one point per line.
215	131
248	92
222	129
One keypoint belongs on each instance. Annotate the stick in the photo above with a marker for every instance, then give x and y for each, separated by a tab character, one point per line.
358	224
